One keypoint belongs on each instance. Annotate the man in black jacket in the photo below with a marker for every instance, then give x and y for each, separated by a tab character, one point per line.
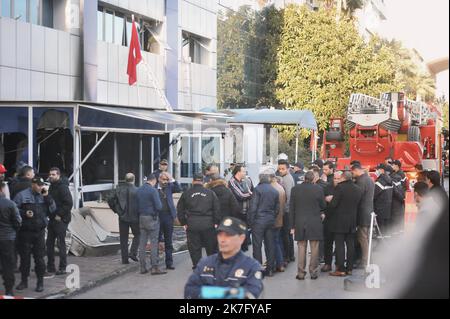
198	211
367	186
345	204
35	207
229	206
123	202
382	198
59	222
23	181
398	197
10	221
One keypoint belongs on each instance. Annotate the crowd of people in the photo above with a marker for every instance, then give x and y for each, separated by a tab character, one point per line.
29	208
318	206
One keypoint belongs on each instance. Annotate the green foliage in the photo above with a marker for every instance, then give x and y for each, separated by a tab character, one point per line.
410	77
246	57
321	62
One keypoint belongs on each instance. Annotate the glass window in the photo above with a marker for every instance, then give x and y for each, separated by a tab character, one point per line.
100	24
109	17
6	8
119	31
210	151
128	31
20	10
47	13
34	12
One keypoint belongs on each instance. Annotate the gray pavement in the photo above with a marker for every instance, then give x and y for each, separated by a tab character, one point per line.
282	286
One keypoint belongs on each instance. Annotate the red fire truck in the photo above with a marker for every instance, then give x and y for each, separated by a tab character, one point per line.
389	126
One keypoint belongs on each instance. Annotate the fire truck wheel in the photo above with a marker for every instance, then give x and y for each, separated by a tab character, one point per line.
414	134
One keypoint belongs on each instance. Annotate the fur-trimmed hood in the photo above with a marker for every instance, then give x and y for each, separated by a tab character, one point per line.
217	182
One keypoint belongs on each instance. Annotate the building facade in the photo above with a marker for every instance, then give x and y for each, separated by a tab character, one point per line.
65	99
66	50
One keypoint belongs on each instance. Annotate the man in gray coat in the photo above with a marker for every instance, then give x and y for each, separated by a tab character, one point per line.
367	186
306	213
288	184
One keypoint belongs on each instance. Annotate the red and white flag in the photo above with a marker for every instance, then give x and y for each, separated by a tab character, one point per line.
134	56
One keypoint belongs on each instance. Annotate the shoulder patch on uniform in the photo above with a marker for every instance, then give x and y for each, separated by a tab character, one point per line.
258	275
239	273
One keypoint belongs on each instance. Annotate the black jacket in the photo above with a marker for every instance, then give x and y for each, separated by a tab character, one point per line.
345	204
198	208
123	201
63	199
265	204
228	203
367	186
382	198
306	205
10	219
398	192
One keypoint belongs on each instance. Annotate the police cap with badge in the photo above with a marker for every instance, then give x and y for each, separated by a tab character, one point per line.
232	226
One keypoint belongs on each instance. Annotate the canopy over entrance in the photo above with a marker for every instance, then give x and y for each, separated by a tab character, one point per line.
301	119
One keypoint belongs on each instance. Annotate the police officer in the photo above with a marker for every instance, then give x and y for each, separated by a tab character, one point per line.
10	221
35	206
198	210
382	198
230	267
398	196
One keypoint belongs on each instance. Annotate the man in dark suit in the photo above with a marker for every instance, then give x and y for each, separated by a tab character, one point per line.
306	215
345	203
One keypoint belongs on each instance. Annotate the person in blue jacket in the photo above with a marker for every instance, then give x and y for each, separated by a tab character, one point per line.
149	204
166	187
230	267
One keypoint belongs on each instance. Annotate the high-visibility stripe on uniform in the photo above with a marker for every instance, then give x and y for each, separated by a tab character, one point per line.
383	187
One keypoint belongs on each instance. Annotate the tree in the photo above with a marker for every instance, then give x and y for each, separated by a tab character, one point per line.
233	38
322	62
415	81
345	7
246	57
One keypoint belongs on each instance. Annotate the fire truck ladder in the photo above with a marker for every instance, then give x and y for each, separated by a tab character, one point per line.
365	104
419	111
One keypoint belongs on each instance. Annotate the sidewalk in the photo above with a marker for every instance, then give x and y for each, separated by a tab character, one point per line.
94	271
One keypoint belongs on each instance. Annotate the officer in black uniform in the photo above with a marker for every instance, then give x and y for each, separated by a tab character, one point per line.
399	183
198	210
382	198
35	207
230	267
